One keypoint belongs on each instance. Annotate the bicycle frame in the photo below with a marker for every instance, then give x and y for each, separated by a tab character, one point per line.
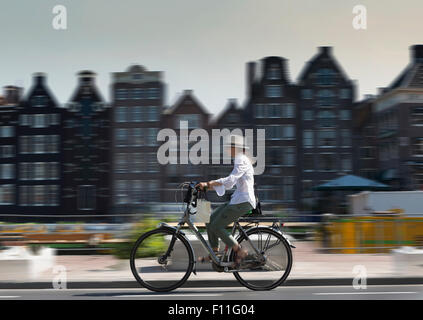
220	262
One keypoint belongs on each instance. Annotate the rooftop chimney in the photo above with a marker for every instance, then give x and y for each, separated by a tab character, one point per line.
417	53
251	75
39	77
86	77
12	94
325	50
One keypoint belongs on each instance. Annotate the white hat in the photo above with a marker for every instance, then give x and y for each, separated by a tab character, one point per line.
235	141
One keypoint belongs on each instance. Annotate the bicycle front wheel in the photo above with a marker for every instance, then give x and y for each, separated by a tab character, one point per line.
271	272
153	268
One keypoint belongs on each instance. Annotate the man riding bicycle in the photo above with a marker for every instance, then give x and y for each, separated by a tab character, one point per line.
242	201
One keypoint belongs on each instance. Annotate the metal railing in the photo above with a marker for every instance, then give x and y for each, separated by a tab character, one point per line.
377	233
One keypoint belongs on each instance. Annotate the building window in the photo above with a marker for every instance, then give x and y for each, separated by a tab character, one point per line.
288	158
273	91
326	98
146	191
307	191
24	119
7	151
233	118
153	113
39	171
137	116
417	147
345	94
7	171
274	72
326	77
53	195
345	114
346	138
346	162
121	94
308	115
151	161
308	162
307	94
39	101
39	144
54	119
308	139
327	162
7	132
40	120
137	189
137	162
121	162
86	197
288	110
326	119
152	136
137	93
416	116
138	136
288	188
367	152
280	132
259	110
327	138
153	93
193	120
121	137
122	191
121	114
7	194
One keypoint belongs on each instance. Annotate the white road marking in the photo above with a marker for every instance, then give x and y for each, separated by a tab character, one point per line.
9	297
166	295
346	293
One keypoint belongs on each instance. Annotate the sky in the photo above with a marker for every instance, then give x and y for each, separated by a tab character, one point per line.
202	45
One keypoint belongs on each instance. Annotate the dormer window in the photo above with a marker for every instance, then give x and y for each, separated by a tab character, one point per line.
39	101
137	76
274	72
273	91
326	77
326	98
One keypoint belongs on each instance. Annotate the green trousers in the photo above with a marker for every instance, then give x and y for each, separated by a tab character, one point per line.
219	220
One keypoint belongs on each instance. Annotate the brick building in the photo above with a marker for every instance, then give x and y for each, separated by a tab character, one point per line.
325	124
8	151
137	99
86	150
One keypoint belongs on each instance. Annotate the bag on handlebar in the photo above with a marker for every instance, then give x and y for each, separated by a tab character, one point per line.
257	211
203	211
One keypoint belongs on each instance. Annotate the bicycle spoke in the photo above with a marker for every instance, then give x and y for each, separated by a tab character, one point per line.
161	261
267	274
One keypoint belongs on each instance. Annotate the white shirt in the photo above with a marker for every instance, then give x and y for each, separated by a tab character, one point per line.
243	177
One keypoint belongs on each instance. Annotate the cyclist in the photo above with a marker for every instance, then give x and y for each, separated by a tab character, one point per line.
242	200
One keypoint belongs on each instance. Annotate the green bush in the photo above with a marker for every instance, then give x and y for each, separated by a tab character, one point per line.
151	248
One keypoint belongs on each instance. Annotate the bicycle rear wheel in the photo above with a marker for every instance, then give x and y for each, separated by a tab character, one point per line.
274	270
152	269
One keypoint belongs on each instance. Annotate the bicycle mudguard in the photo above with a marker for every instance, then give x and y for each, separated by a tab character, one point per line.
274	229
165	225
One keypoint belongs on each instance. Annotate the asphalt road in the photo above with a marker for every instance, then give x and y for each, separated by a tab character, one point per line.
375	292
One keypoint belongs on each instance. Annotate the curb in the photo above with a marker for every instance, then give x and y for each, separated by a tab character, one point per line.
207	283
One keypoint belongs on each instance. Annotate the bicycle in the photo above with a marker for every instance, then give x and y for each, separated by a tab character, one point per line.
166	250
